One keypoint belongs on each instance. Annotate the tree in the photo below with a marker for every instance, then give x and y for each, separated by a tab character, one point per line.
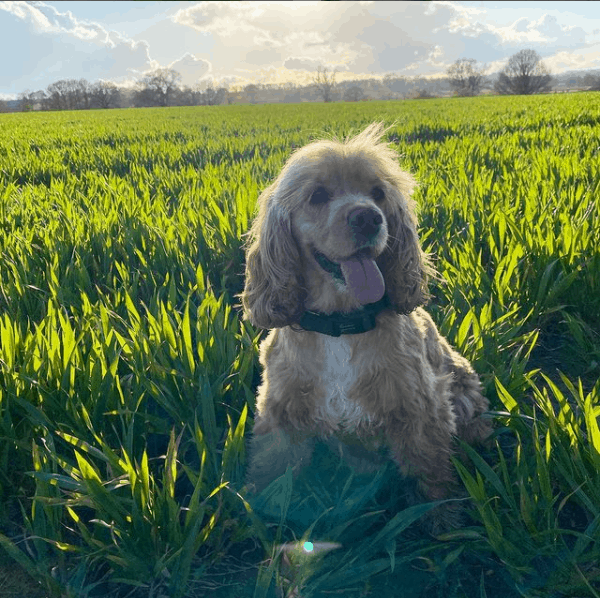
57	95
104	94
68	94
28	99
389	81
592	81
82	95
420	93
212	96
354	94
157	87
251	90
466	77
325	83
524	74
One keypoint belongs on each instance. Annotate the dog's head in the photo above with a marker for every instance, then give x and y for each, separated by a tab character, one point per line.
336	230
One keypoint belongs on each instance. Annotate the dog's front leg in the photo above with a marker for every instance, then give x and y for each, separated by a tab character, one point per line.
428	461
272	449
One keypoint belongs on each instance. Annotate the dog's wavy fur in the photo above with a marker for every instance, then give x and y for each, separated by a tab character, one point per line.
400	386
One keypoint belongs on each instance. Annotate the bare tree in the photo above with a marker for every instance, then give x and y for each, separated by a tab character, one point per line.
81	95
234	93
466	77
104	94
186	96
68	94
251	90
212	96
57	95
387	83
592	81
354	94
524	74
420	93
158	87
28	100
324	81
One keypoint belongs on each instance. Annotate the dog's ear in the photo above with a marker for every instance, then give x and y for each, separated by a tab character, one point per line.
273	294
404	265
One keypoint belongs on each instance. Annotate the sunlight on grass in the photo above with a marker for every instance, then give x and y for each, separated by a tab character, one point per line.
127	375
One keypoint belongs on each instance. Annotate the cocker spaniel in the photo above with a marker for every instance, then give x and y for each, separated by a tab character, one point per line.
335	268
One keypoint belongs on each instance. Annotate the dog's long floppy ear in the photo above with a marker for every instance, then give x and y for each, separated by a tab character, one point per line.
404	265
273	294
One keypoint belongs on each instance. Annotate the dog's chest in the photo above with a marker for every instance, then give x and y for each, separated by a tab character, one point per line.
338	376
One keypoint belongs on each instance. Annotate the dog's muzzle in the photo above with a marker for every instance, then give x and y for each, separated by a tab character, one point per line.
359	273
365	225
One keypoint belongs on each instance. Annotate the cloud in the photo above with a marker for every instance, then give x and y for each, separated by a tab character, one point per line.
47	19
225	19
60	46
191	68
466	32
365	37
25	11
545	32
359	37
251	41
301	64
589	58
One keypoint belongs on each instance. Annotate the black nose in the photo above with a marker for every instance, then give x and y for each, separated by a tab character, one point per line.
365	223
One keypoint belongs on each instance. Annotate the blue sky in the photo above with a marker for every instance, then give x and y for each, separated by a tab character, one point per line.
236	43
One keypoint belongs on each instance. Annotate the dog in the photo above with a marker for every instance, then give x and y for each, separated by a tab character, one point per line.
335	270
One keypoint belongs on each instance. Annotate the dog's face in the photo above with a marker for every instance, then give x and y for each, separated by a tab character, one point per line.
341	226
335	231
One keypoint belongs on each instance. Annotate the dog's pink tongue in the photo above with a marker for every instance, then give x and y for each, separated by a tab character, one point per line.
364	279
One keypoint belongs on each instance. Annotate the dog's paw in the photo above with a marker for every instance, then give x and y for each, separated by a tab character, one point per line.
444	518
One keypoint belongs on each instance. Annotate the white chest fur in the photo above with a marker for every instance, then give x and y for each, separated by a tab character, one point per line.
338	375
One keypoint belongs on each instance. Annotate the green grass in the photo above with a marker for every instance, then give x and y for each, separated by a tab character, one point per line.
127	375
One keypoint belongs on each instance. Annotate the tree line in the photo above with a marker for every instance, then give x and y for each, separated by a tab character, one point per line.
524	73
161	87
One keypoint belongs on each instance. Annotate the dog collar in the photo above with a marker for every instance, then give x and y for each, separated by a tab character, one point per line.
339	322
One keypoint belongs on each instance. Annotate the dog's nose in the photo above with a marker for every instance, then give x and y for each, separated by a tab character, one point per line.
365	223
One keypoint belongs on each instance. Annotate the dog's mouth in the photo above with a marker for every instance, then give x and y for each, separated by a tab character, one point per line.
359	273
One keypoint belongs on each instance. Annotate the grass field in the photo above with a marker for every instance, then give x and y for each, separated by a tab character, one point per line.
127	375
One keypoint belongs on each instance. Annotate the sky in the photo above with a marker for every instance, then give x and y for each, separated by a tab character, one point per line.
236	43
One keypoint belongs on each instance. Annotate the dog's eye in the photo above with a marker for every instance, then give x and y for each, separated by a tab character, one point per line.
320	195
377	193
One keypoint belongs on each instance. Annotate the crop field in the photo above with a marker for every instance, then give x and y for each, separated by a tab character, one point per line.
127	374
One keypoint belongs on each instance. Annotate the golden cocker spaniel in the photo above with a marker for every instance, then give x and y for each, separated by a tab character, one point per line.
335	268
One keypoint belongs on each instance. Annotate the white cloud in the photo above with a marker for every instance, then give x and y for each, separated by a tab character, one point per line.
436	56
47	19
278	41
126	56
543	32
301	64
191	68
365	38
27	12
361	37
225	19
589	58
60	46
